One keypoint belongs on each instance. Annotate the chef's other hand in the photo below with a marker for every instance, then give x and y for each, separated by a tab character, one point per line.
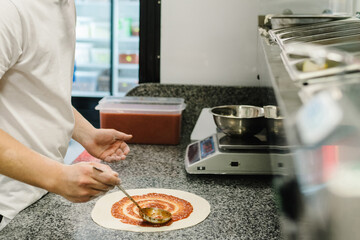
109	145
81	182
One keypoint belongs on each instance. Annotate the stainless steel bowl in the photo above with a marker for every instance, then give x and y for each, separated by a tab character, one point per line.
274	121
239	120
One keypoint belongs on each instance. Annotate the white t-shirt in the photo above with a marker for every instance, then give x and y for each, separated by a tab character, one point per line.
37	45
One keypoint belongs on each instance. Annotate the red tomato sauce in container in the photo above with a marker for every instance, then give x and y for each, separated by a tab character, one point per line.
150	120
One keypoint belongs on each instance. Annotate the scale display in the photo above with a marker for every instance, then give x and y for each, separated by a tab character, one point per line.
207	147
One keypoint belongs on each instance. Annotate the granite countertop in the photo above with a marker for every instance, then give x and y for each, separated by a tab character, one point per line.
242	207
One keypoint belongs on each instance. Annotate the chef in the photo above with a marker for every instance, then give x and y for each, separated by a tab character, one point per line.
37	120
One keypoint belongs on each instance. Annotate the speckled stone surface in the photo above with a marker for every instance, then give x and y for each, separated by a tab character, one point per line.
242	207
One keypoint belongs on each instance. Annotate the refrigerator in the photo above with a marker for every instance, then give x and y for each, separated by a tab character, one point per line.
93	48
107	47
126	32
112	55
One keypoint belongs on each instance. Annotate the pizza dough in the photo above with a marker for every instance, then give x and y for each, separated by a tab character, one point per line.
127	212
101	213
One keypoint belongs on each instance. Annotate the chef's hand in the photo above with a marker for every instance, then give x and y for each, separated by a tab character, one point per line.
109	145
81	182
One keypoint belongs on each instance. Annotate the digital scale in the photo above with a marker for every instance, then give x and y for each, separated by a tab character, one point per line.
217	153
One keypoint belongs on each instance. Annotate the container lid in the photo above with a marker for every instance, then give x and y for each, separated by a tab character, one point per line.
141	104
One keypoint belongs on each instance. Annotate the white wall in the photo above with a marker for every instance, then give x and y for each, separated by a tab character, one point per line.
214	42
206	42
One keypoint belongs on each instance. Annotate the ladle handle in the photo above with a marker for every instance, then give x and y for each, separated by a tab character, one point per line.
123	190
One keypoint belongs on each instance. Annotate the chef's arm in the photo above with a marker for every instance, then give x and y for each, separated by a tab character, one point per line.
77	183
83	130
21	163
106	144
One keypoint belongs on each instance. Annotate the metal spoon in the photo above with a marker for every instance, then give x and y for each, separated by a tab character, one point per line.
152	215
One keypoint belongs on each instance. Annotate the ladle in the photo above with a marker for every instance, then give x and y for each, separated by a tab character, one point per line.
152	215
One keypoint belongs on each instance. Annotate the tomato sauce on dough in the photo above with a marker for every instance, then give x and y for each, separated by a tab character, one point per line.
128	213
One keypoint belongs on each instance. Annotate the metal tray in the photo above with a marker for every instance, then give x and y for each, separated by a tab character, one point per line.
314	86
328	42
317	31
335	62
322	36
336	40
352	48
276	35
294	70
314	26
281	21
349	47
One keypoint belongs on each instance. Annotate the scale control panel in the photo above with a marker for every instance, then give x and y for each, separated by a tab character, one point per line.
201	149
205	157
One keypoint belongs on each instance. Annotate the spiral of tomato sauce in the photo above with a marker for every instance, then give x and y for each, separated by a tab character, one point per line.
128	213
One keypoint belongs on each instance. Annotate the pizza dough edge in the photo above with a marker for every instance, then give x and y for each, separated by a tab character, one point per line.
101	213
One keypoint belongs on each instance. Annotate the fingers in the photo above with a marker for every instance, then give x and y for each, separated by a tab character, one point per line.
84	181
121	136
103	171
125	148
114	158
111	145
88	197
104	175
103	168
105	179
117	152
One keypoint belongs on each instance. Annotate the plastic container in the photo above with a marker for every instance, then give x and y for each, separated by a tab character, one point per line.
82	53
129	57
83	27
150	120
85	81
124	27
135	28
100	30
100	55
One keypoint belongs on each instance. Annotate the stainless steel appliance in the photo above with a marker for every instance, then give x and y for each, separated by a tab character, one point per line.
321	199
214	152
